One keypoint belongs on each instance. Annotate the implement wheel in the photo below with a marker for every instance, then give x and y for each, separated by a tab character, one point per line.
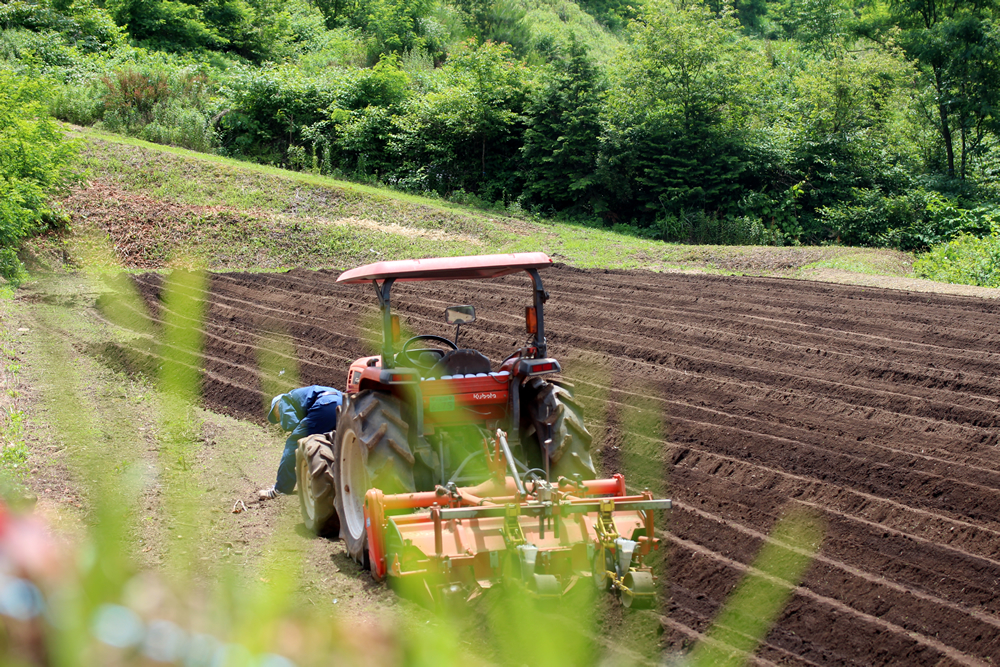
552	413
314	470
601	565
642	591
372	452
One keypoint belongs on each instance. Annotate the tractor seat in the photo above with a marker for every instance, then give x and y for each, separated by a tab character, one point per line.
461	362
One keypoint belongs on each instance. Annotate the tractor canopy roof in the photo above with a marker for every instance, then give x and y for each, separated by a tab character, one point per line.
447	268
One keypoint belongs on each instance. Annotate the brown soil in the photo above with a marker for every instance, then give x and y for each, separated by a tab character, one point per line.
876	408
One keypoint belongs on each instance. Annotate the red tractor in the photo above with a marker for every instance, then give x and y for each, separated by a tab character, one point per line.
425	420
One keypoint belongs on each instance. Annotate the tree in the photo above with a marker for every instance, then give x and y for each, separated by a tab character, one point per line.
562	140
672	142
35	162
497	21
957	45
164	23
465	133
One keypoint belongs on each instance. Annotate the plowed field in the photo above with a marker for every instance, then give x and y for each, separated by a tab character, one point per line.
876	408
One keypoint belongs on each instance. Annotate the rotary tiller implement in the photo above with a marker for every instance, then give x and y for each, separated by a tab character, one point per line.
544	537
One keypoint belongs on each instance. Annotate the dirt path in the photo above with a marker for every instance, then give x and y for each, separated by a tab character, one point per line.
876	408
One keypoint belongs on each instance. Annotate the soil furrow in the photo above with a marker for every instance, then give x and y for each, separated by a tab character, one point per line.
878	409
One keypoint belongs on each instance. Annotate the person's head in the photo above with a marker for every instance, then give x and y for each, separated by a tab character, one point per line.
272	415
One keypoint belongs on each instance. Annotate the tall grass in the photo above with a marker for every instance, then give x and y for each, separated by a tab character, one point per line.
103	608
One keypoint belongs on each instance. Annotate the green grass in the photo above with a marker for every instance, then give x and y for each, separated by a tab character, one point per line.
14	451
868	262
232	215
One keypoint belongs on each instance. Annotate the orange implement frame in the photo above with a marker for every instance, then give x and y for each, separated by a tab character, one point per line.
547	536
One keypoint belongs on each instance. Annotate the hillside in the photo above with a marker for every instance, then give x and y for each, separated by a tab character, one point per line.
748	123
159	206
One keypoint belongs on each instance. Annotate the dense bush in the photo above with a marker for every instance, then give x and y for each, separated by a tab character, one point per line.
34	163
759	121
968	260
82	23
157	106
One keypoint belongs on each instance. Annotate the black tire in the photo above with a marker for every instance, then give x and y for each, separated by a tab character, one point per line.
552	412
314	472
372	453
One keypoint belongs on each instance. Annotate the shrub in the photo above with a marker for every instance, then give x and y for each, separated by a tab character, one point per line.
81	24
132	93
34	162
703	228
872	218
78	104
166	107
968	260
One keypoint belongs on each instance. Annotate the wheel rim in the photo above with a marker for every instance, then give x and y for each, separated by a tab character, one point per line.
305	488
355	482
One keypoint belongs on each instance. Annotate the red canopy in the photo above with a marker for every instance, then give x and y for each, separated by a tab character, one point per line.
447	268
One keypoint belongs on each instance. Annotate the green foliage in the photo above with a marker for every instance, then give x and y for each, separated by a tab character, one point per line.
80	105
793	121
256	30
390	26
35	161
131	92
957	47
156	106
167	24
670	143
464	133
270	108
554	24
562	139
13	450
612	13
968	260
816	23
915	220
700	227
497	21
81	23
871	218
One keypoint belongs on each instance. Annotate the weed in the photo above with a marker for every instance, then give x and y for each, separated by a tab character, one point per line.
13	456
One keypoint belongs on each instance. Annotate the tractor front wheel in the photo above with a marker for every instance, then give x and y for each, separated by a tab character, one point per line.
314	469
372	453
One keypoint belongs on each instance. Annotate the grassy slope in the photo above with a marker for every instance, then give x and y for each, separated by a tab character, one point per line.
234	215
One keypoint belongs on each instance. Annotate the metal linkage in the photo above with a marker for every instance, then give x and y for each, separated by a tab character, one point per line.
511	465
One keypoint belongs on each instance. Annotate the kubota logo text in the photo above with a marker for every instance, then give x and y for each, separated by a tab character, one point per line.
484	397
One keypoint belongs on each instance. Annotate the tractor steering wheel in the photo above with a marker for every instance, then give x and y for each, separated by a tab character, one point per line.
405	350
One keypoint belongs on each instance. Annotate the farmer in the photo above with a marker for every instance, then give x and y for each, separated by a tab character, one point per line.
303	411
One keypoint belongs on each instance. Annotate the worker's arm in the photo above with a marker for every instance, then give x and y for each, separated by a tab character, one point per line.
289	413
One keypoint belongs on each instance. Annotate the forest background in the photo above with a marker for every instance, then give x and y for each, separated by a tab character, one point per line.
769	122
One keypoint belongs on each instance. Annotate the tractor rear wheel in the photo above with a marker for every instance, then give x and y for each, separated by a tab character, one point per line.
372	453
553	414
314	469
